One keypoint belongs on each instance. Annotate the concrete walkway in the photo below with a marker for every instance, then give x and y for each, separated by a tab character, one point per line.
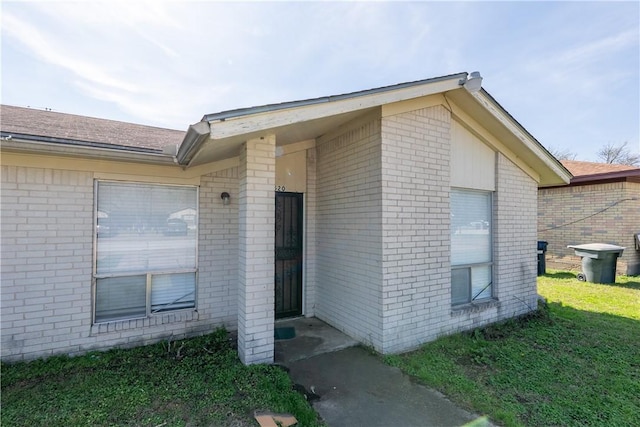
349	386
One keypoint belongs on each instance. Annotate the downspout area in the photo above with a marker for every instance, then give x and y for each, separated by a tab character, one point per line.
192	142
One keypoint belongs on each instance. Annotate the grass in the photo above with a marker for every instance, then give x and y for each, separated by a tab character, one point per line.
574	362
193	382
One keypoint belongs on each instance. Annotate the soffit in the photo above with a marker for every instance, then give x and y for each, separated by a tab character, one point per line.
229	147
300	120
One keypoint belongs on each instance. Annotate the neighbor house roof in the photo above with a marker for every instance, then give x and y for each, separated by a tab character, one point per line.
219	136
29	125
579	168
596	173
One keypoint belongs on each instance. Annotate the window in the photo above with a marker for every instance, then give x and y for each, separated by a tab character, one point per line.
146	249
471	251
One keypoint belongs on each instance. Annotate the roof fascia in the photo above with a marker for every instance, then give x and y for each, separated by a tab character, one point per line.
118	169
19	145
460	77
609	180
259	119
9	136
630	173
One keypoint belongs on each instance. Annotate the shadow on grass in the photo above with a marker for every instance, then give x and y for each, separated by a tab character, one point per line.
629	282
561	275
632	284
568	312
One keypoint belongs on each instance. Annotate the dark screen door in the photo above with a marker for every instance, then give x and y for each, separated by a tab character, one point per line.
288	254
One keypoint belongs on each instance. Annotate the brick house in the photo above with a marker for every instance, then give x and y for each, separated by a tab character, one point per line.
601	204
396	215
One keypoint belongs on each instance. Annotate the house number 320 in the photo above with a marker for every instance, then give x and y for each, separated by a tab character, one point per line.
280	188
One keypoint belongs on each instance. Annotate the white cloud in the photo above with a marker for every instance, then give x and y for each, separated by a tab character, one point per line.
168	63
45	47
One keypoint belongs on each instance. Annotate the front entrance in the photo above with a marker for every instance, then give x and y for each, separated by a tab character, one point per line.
288	255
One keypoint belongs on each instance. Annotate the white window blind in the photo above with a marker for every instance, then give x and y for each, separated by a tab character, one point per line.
146	249
471	248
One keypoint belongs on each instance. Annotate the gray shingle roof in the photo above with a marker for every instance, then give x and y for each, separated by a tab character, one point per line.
71	129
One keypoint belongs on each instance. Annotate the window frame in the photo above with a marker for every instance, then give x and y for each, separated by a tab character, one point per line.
470	266
149	312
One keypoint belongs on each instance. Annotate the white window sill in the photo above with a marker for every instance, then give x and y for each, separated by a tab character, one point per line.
186	315
474	307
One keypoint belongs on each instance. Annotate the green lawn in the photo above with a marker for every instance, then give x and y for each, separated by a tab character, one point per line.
574	362
196	382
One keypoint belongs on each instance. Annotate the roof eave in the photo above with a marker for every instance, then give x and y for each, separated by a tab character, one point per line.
19	145
224	115
196	135
630	173
230	126
264	119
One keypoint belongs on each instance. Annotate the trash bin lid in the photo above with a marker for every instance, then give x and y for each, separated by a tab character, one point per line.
594	249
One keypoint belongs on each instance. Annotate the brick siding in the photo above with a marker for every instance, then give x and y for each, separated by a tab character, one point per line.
377	260
383	234
47	259
596	213
310	236
416	220
348	245
515	247
256	290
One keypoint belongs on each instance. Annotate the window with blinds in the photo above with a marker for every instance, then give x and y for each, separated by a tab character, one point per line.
471	245
146	249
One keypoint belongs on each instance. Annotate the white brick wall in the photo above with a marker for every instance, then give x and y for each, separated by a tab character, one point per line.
383	234
256	292
416	220
349	215
515	246
310	228
47	226
377	260
218	249
47	259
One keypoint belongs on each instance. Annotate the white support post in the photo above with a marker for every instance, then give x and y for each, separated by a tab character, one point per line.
256	294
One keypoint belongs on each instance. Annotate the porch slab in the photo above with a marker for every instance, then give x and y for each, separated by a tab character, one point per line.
312	338
353	387
350	386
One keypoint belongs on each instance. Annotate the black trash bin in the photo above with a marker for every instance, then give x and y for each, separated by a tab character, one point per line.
542	262
598	261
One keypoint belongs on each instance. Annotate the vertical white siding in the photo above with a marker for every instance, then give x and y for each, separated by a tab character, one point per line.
473	164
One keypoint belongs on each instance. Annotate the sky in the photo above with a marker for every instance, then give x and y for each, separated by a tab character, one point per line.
569	72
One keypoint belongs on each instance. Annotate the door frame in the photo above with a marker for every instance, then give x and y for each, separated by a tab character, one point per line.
302	251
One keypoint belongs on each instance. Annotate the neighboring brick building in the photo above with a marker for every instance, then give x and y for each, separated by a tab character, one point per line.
397	215
600	205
